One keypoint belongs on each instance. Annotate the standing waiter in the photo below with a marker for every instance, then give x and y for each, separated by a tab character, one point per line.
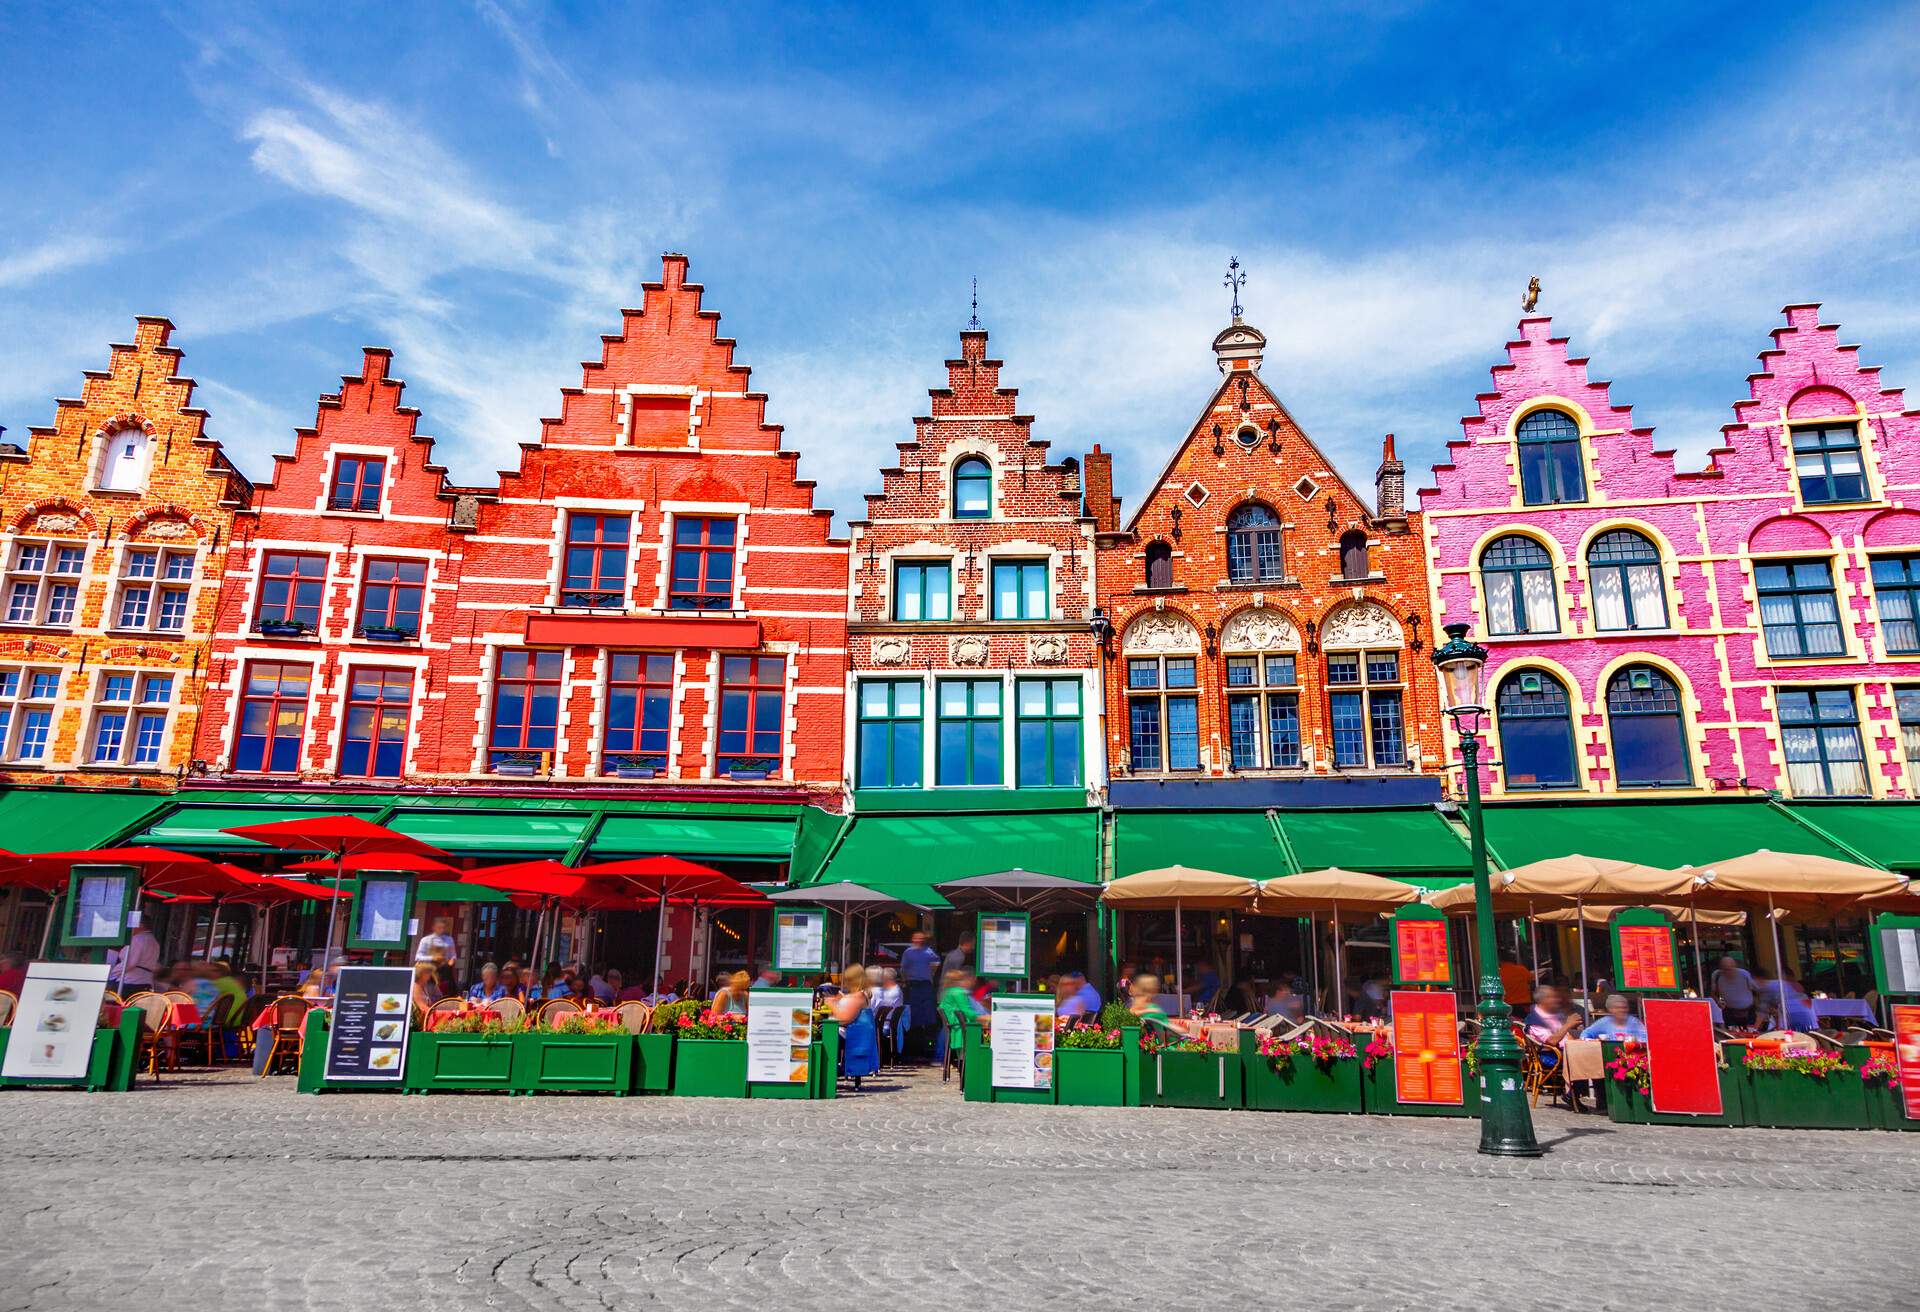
917	966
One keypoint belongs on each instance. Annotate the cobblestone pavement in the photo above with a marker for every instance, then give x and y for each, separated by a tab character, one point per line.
217	1192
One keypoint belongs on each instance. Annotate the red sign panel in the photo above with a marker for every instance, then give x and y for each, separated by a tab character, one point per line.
1422	948
1906	1051
1646	957
1683	1058
1426	1047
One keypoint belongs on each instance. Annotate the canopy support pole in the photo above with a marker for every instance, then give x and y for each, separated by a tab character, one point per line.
1699	963
1533	937
539	927
1339	969
213	926
46	931
1779	968
1179	963
1580	936
333	907
1313	957
659	938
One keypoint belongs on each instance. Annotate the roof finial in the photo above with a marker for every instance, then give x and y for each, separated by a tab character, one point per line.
1532	298
973	324
1233	282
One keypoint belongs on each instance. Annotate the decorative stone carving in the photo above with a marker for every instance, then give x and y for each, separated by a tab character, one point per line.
970	651
56	523
1046	649
1361	624
1260	630
1161	631
167	528
891	650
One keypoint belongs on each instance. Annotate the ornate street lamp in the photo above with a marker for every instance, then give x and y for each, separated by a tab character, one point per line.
1506	1125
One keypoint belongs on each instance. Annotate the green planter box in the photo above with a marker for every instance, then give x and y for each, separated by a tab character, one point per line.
1629	1106
1786	1100
823	1070
976	1083
652	1063
438	1062
1379	1097
547	1062
1300	1084
1885	1111
109	1065
710	1068
1090	1077
1191	1079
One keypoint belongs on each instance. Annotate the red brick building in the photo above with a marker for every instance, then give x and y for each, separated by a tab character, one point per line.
114	525
651	601
973	661
1267	622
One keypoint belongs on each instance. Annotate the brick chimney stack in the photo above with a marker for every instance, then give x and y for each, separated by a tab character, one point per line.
1390	483
1102	506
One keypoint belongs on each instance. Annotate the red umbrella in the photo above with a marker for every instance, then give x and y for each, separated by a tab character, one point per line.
541	883
340	837
664	879
406	863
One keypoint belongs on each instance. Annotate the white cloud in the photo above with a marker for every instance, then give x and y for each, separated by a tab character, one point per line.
60	254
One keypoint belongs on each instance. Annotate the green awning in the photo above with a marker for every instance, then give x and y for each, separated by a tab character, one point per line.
1886	833
452	890
905	855
1230	842
194	828
1663	834
1396	843
693	835
67	819
485	833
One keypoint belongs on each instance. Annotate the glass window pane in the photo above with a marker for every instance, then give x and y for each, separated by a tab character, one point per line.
1183	733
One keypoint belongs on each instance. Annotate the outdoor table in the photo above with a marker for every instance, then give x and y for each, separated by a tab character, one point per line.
1844	1009
1583	1059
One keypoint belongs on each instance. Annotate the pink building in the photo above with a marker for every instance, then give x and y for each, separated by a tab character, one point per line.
1754	624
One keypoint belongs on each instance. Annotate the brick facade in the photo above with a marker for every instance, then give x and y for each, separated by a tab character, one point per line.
114	526
955	641
1254	586
557	639
1676	645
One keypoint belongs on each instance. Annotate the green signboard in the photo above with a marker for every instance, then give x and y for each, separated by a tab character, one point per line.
1894	941
100	902
1003	945
1646	952
1417	934
381	917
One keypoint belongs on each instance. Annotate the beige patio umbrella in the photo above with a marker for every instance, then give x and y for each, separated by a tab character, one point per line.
1796	881
1603	915
1175	887
1332	890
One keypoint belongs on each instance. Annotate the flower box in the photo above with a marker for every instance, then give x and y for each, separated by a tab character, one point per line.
438	1062
710	1068
548	1061
387	633
976	1077
1886	1108
284	628
1091	1077
1629	1104
1790	1099
1379	1094
1191	1079
652	1063
1298	1083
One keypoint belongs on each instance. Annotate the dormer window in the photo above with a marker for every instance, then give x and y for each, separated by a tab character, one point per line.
357	481
126	461
1551	471
1827	462
1253	545
972	489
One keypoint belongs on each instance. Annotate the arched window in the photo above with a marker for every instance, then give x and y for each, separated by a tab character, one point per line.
1550	468
1536	731
1649	734
1353	555
1159	565
1253	545
125	461
1628	588
972	489
1517	574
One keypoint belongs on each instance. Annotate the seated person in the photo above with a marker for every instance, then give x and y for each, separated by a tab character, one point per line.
957	1004
426	985
606	988
488	988
1552	1018
1283	1001
233	993
1206	986
1619	1022
1144	992
1798	1008
1076	996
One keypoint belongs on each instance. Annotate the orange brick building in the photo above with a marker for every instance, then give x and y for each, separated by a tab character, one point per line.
114	525
1266	621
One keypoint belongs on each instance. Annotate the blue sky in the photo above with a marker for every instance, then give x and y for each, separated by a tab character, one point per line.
482	186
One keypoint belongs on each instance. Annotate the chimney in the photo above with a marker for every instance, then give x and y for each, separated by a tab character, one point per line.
1102	507
1390	484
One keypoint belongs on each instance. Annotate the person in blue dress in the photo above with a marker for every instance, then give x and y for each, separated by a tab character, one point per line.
859	1037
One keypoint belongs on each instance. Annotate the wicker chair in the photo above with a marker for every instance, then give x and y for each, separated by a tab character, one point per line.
444	1007
558	1009
159	1040
1543	1069
510	1010
636	1016
207	1033
289	1033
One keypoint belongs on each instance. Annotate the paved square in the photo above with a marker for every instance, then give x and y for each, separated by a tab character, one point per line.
217	1192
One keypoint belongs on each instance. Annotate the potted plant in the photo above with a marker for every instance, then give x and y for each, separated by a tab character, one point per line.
465	1052
709	1050
284	628
1314	1073
1177	1071
1089	1066
580	1054
748	769
1805	1088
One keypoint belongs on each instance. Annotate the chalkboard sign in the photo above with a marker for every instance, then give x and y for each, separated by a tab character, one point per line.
368	1041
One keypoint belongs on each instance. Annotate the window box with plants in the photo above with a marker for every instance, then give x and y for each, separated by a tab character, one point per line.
1628	1085
518	765
387	633
1313	1073
465	1052
1805	1089
1379	1088
1176	1071
580	1054
284	628
1090	1060
748	769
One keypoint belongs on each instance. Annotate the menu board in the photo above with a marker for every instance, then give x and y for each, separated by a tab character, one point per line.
1899	944
1647	962
1906	1052
1420	951
371	1009
53	1025
800	941
779	1032
382	907
1022	1038
1003	945
1426	1047
1683	1058
100	906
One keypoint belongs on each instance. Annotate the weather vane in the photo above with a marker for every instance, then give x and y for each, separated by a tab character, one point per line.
1233	282
974	322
